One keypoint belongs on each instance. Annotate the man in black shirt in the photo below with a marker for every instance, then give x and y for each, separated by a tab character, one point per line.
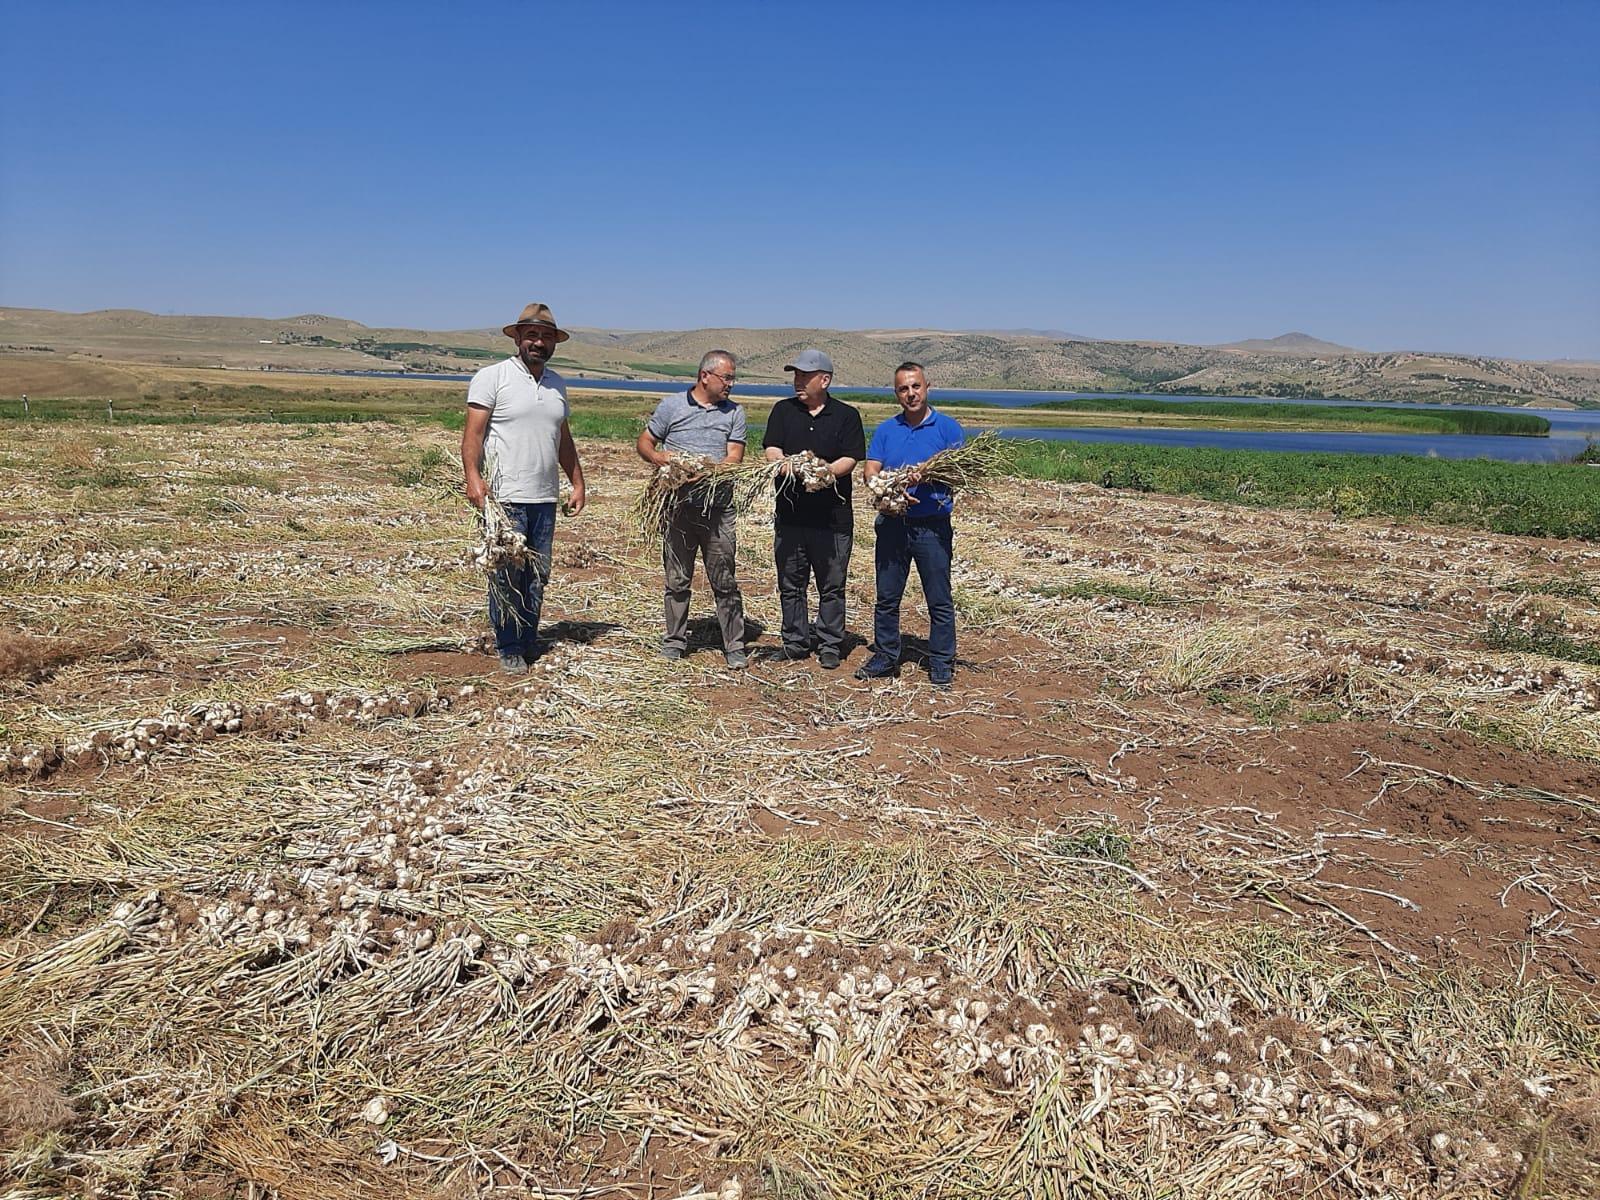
813	530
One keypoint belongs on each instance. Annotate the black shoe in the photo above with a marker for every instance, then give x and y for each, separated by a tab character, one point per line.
796	653
828	660
879	666
942	679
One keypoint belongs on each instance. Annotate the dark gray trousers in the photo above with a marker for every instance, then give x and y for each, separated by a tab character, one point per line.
804	553
693	532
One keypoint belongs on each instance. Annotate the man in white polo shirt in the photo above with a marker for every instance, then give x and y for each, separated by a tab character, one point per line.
517	424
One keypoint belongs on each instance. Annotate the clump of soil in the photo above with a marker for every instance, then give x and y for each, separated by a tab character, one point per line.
33	1100
35	659
32	659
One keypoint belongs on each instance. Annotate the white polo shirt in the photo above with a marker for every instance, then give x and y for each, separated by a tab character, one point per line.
525	416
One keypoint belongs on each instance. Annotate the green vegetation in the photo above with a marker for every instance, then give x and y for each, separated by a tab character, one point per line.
385	349
420	466
1275	708
596	426
1103	841
595	417
1518	498
1540	633
1462	391
199	404
1417	421
392	349
1275	388
98	477
1564	589
670	370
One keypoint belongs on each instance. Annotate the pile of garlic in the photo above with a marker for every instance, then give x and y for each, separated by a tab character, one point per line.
140	740
202	564
361	881
106	564
1563	686
1287	1098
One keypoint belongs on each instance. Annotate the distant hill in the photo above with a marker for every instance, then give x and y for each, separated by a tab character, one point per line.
1293	365
1051	335
1290	343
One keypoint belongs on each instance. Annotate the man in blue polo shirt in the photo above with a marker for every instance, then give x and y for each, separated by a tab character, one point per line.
922	535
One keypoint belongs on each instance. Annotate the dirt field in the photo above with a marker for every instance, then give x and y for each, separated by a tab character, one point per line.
1237	863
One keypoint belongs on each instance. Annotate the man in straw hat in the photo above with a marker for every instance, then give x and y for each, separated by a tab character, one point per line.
517	424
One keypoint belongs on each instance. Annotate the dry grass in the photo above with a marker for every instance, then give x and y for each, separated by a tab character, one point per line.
632	928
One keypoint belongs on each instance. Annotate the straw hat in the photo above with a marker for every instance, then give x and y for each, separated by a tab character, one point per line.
535	314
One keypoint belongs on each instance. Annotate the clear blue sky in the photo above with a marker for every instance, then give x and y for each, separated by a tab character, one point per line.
1394	175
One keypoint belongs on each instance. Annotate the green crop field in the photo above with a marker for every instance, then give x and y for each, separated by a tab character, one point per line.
1520	498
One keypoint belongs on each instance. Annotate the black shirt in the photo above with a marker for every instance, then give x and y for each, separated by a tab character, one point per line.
835	432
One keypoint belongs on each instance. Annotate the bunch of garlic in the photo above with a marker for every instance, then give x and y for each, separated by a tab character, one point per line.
680	470
500	544
890	491
813	473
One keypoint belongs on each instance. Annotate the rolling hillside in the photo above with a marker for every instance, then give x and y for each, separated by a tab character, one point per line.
1291	365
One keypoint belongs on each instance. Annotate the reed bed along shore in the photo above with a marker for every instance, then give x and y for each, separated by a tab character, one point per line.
1418	419
1250	856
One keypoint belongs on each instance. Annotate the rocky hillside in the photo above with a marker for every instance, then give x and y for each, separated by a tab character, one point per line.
1291	365
1276	368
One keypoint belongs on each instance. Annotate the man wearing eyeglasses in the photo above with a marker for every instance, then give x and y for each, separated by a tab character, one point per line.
706	423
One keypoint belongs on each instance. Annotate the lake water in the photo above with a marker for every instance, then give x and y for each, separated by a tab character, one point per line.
1552	449
1569	430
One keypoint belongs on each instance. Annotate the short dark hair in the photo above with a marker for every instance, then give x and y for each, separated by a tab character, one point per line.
912	366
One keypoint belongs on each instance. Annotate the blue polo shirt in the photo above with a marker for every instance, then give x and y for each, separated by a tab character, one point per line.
898	443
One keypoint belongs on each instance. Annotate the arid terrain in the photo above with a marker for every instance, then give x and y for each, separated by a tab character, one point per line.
1287	366
1236	864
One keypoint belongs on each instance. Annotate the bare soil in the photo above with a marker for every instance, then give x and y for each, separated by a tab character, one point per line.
1226	718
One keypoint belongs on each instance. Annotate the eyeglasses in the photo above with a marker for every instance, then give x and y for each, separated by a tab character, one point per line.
727	379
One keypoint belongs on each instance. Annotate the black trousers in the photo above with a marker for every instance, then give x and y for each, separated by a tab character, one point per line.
804	553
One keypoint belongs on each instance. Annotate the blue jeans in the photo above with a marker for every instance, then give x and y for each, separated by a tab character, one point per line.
516	594
925	541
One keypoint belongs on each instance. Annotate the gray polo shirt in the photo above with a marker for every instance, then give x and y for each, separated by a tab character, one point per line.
682	426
